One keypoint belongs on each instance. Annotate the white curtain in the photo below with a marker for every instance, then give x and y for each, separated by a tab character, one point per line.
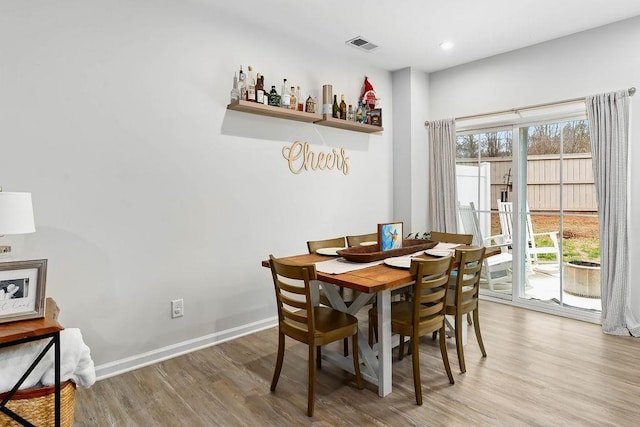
442	166
609	128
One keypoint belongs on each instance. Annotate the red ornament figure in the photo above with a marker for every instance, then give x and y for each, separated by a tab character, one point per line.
368	95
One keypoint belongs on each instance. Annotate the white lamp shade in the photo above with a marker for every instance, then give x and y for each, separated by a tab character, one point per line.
16	213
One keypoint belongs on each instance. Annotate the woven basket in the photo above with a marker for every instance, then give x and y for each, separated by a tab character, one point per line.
36	405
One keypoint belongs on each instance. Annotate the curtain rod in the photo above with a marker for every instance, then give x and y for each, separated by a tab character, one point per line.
631	92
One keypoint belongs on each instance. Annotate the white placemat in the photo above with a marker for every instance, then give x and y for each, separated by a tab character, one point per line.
443	246
341	265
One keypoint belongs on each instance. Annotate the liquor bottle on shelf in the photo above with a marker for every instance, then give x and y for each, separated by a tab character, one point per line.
242	84
285	98
274	98
359	113
235	95
311	105
251	86
336	108
343	108
300	99
259	90
350	115
266	93
293	100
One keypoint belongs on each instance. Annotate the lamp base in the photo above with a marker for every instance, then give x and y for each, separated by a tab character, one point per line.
5	249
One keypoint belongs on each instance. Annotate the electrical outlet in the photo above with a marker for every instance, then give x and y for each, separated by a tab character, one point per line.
177	308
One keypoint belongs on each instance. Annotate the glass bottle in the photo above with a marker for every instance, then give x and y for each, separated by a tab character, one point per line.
343	108
274	98
266	94
350	115
235	95
259	90
300	99
285	99
251	85
242	84
336	108
359	112
293	100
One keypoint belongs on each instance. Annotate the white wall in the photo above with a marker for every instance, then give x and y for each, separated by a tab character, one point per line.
146	188
596	61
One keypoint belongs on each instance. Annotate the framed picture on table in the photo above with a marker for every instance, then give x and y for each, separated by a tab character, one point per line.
390	236
22	290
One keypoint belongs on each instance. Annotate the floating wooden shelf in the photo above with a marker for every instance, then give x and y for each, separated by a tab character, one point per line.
300	116
348	125
268	110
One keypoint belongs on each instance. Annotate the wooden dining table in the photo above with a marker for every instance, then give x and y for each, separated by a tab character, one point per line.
378	280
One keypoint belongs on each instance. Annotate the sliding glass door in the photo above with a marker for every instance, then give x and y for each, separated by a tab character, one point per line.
533	196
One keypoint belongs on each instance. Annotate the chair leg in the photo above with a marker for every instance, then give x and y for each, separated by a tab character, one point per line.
458	326
415	358
345	345
401	348
476	326
312	380
319	357
356	361
279	360
445	356
469	318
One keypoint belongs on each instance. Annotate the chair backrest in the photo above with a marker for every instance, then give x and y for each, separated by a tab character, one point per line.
337	242
470	222
292	284
463	239
470	262
356	240
430	291
505	212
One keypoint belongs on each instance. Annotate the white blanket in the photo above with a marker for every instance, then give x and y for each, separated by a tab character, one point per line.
75	363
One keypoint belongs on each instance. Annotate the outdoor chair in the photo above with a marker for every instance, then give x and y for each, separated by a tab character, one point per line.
532	248
497	268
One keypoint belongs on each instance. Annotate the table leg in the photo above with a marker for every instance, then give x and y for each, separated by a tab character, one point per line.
56	349
384	342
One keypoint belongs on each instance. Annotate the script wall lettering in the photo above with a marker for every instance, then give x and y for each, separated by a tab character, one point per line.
300	157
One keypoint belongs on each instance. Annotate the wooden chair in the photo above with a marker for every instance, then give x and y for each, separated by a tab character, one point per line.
347	295
336	242
463	299
300	320
422	315
356	240
463	239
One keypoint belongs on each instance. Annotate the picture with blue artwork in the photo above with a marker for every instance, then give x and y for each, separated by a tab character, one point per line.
390	235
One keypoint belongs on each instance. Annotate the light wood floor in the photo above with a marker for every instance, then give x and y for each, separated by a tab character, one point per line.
541	370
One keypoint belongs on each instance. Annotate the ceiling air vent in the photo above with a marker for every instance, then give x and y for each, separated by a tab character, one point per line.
362	44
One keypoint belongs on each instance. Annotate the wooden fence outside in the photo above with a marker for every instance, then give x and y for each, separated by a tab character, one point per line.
543	181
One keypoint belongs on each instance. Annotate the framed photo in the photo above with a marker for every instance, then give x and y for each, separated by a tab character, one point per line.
390	235
22	290
375	117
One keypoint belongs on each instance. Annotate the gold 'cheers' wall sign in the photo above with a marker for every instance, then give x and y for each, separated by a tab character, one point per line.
300	157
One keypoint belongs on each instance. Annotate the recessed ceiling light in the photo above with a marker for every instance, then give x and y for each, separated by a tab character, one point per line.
446	45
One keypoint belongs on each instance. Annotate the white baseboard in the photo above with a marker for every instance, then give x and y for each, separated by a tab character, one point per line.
145	359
